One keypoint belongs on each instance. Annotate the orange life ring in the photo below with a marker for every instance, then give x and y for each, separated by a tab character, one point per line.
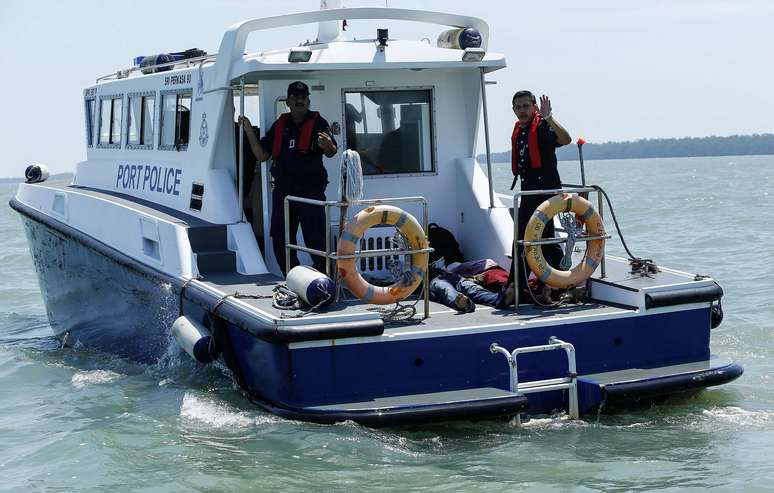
587	215
350	239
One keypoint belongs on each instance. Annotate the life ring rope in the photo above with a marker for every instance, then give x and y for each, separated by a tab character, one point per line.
350	237
585	212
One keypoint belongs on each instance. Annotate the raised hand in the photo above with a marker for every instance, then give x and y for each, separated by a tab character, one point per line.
326	143
545	107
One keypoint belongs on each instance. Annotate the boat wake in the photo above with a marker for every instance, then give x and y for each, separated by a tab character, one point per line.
203	411
736	417
83	379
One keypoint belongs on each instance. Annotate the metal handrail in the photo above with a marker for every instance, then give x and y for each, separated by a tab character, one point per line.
124	73
515	261
570	382
329	255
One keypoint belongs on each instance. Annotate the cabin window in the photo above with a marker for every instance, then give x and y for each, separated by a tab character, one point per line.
110	121
142	108
90	107
175	121
392	130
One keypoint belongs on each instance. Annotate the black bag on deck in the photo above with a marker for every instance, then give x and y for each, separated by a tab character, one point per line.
445	245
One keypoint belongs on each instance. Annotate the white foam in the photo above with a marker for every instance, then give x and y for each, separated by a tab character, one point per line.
740	417
83	379
556	422
212	413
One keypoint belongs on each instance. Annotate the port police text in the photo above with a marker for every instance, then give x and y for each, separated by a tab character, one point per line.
149	177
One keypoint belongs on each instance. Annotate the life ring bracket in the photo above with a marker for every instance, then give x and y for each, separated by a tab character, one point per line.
556	241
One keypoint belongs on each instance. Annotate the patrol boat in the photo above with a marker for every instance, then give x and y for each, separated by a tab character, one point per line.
165	226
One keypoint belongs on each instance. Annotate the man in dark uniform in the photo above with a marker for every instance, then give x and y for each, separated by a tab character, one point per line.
296	143
535	138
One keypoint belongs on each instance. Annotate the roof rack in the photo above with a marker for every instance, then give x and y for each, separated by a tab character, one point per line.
124	73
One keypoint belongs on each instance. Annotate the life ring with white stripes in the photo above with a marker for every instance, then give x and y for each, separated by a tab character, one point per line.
587	215
350	239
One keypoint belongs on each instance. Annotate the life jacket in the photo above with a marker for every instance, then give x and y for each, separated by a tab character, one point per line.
532	144
304	141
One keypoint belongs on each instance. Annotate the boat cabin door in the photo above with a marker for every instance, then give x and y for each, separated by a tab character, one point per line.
248	103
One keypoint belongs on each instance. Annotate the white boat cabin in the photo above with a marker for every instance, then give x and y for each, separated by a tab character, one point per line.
411	107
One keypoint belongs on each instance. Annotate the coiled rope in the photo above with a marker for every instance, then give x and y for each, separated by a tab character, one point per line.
351	183
285	299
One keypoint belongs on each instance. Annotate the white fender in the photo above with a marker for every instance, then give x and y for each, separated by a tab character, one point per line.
311	285
193	338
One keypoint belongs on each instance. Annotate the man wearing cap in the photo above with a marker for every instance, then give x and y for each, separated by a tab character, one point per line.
296	143
536	135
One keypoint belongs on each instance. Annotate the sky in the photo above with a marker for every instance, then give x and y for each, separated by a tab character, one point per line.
614	70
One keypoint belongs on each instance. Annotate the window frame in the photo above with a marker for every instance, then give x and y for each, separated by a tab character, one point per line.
284	101
433	132
141	95
110	145
160	124
90	127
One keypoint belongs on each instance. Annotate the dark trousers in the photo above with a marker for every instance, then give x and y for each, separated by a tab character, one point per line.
445	287
311	218
552	253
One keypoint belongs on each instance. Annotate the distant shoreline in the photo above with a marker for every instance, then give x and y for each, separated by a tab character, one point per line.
20	179
735	145
482	158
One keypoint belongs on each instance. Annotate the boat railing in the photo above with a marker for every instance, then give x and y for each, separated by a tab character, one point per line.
186	63
566	188
330	255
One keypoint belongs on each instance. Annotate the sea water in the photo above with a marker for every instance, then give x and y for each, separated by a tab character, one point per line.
78	420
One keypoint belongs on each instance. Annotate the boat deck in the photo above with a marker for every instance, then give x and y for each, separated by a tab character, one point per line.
257	290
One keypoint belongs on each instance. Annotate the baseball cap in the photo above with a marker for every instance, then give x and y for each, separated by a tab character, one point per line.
298	88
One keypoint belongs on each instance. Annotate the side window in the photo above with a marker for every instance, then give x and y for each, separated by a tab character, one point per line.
175	131
90	107
110	121
392	130
142	108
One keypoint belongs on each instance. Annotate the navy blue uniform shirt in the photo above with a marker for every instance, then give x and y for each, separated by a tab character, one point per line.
295	171
547	176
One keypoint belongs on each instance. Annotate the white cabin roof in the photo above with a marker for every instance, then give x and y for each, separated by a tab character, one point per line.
232	62
354	55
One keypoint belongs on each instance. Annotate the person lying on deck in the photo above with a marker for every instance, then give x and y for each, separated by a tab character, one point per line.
449	287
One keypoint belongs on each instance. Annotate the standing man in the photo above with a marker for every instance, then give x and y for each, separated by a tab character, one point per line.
296	143
535	138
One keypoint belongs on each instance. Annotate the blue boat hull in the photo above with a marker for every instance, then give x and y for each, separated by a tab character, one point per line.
103	299
307	378
98	302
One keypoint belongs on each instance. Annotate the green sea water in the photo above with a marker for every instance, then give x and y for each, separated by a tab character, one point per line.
77	420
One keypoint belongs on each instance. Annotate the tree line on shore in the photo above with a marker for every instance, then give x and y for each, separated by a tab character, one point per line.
734	145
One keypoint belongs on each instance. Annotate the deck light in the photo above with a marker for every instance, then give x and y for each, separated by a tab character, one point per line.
473	55
299	55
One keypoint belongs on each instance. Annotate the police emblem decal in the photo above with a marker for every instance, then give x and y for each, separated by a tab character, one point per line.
204	134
